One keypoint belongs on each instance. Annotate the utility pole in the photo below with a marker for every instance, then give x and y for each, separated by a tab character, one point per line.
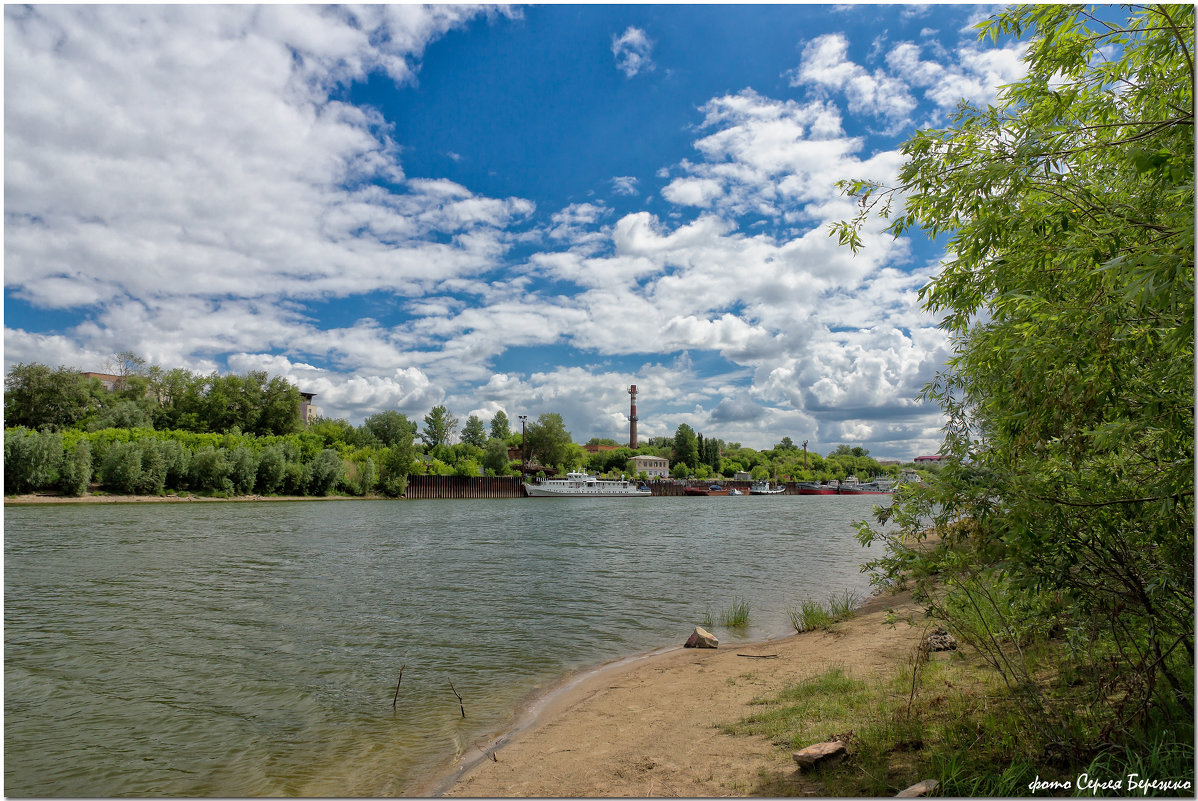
524	449
804	454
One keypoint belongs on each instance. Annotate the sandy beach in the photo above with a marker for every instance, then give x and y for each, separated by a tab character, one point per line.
648	726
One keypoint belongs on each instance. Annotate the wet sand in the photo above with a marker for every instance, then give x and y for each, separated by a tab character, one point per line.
647	726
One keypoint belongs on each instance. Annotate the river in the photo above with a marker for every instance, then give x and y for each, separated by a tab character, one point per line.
250	649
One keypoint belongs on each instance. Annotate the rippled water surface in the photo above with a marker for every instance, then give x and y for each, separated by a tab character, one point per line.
249	649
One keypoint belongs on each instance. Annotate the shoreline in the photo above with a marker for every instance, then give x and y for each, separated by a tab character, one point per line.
35	499
647	724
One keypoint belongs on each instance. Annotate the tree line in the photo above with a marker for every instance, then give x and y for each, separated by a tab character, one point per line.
157	431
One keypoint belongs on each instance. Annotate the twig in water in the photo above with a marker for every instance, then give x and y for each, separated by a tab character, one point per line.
459	695
487	753
395	700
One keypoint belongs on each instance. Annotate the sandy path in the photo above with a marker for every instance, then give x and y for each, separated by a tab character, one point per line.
648	727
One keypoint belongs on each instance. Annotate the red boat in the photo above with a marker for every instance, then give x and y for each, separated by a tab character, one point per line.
714	489
809	488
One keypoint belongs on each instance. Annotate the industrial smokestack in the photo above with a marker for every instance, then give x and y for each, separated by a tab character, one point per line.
632	419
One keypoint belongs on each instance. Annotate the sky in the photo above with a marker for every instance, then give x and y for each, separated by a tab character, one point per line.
521	208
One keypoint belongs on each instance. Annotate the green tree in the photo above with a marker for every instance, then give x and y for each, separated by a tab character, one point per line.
391	428
122	413
31	459
327	469
1068	289
76	469
120	468
474	432
495	457
272	467
686	446
439	427
500	427
36	396
548	440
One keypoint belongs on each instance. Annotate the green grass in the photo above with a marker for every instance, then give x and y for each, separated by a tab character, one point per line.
954	720
813	615
737	614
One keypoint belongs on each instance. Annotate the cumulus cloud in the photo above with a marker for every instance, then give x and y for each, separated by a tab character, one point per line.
187	174
632	51
158	151
972	74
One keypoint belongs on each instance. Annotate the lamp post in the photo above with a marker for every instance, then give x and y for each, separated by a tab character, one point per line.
523	449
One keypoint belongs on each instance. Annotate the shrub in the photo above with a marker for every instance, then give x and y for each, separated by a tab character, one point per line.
368	476
120	467
272	469
210	470
178	462
327	470
31	459
76	469
153	469
295	478
244	475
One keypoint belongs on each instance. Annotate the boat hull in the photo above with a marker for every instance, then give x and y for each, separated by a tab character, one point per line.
535	491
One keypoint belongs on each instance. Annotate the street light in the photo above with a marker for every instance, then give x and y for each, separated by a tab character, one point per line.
523	449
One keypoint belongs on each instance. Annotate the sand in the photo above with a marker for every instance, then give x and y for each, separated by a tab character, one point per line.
648	726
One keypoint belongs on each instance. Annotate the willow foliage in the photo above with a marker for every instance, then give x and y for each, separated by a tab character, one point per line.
1068	289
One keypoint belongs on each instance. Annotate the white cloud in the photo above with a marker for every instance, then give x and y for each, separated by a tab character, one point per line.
972	74
158	151
825	64
632	51
185	169
625	185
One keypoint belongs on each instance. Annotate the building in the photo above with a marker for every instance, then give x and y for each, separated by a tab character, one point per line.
936	459
652	466
109	381
308	411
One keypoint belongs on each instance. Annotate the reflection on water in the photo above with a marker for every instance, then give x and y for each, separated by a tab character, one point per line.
253	648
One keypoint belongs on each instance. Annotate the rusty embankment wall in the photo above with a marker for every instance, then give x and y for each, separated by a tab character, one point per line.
426	487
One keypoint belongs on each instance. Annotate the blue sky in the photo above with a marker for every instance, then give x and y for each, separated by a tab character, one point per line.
519	208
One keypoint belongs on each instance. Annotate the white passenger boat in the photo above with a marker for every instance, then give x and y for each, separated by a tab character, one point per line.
582	485
765	488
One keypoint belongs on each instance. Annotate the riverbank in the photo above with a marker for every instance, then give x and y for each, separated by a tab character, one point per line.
649	726
34	499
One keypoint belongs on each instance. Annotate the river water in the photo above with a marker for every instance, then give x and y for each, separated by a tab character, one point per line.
248	649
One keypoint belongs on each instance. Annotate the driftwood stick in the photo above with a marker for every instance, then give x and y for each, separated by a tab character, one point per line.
487	753
395	700
459	695
760	656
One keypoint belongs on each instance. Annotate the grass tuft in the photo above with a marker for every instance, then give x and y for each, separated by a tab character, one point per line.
813	615
736	615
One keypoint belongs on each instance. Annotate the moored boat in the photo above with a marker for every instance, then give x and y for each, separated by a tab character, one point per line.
583	485
813	488
713	489
876	486
765	488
